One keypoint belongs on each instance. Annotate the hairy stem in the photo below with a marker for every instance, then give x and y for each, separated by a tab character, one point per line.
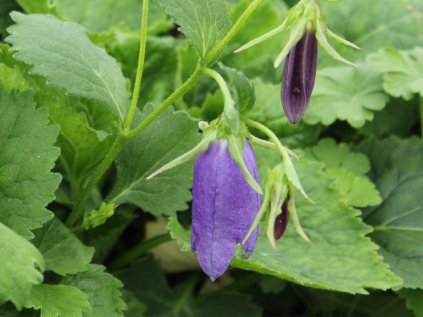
214	53
140	69
182	90
135	253
78	210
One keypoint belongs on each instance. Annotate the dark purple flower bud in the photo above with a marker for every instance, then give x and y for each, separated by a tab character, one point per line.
298	76
224	207
281	221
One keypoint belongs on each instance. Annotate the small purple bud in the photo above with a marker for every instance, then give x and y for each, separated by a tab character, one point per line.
299	75
224	207
281	221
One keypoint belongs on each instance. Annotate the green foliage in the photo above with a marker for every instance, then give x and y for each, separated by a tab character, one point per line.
402	71
204	22
414	300
102	290
52	239
27	155
348	94
168	137
20	267
85	70
59	301
398	221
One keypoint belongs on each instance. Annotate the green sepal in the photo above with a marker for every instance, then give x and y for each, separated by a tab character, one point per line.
99	216
236	147
294	216
209	135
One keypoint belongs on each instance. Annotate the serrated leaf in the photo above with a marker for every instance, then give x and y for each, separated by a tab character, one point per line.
64	254
102	289
49	45
339	155
58	301
204	22
398	221
347	94
166	138
340	257
27	155
147	281
20	267
349	169
403	71
414	300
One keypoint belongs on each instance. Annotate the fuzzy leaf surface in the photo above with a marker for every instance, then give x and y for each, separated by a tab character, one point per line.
62	52
27	155
166	138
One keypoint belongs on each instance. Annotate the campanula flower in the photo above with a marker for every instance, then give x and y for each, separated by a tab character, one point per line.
224	206
298	76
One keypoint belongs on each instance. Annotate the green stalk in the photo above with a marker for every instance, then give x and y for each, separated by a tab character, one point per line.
214	53
182	90
140	69
78	211
135	253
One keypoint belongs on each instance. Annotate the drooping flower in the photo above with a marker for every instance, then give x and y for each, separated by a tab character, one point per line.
299	76
224	206
281	221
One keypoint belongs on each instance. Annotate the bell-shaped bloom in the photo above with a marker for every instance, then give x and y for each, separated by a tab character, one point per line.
224	207
299	75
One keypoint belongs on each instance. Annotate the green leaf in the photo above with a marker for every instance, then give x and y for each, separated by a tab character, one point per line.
398	221
204	22
58	301
63	252
135	307
148	282
102	289
12	79
403	71
398	118
414	300
385	23
101	15
347	94
242	89
86	70
166	138
340	257
349	169
19	268
27	155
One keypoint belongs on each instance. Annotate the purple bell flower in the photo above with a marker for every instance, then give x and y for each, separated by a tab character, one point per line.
224	207
299	75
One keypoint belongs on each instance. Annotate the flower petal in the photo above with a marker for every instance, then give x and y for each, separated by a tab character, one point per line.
224	207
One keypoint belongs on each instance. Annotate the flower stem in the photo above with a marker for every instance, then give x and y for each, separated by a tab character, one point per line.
140	69
229	102
135	253
421	115
214	53
182	90
101	169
